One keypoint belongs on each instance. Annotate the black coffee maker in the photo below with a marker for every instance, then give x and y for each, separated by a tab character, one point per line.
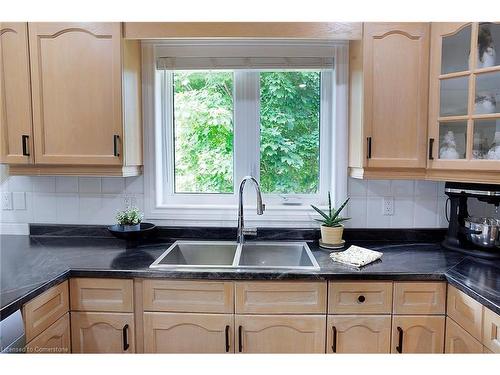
460	232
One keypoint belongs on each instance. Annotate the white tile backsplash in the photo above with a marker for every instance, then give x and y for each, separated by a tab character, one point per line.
95	200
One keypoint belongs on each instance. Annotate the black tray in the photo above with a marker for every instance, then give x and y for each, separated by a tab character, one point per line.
145	230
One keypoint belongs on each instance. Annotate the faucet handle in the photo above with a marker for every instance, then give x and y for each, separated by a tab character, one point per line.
250	231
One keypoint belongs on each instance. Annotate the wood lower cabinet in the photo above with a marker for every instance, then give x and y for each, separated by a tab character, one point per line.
418	334
55	339
491	330
280	333
358	334
93	332
459	341
188	333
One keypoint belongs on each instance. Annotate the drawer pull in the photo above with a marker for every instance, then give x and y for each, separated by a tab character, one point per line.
227	339
240	340
431	146
399	348
334	339
361	299
25	139
125	337
369	145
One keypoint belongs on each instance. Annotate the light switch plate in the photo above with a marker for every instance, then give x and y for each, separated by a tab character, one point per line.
6	200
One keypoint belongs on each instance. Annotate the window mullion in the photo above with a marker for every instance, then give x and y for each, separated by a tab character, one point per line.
246	125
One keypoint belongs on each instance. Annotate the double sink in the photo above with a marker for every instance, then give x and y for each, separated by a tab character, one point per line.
231	255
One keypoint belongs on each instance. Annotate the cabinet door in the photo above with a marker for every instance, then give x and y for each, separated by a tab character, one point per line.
93	332
459	341
358	334
396	68
418	334
55	339
280	333
188	333
15	95
76	79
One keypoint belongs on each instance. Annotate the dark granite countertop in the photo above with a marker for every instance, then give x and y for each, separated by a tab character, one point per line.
31	265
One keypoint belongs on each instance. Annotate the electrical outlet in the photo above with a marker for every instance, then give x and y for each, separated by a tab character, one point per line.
6	200
129	201
388	209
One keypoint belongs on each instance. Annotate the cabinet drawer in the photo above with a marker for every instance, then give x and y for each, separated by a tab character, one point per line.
426	298
466	311
459	341
101	295
188	296
360	298
188	333
55	339
491	330
280	297
45	310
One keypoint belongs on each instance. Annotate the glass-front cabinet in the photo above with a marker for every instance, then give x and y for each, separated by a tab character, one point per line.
464	97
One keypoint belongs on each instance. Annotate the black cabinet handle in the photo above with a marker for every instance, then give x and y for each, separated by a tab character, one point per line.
334	339
369	145
399	348
361	299
125	337
431	146
116	138
227	339
240	340
25	139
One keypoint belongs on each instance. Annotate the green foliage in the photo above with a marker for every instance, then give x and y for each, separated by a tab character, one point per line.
331	218
131	216
289	131
289	116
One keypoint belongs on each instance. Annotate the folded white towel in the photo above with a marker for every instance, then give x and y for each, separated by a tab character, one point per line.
356	256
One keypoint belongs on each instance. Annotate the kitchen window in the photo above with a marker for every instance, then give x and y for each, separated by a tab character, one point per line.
223	111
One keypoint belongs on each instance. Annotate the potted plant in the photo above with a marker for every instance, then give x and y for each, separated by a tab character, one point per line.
331	227
130	219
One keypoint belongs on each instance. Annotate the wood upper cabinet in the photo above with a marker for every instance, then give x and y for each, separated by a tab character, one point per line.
55	339
388	100
358	334
459	341
16	135
418	334
280	333
188	333
464	102
93	332
86	100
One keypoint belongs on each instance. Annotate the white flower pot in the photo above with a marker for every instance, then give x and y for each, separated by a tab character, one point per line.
331	235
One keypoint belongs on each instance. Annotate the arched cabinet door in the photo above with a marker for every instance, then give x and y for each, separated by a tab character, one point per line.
359	334
395	69
464	101
77	92
93	332
188	333
280	333
418	334
16	138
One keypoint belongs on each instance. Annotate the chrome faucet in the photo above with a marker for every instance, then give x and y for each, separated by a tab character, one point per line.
260	210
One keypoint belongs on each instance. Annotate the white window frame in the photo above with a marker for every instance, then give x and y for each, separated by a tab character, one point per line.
220	209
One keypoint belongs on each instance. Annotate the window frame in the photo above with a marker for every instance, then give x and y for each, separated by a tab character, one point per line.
162	203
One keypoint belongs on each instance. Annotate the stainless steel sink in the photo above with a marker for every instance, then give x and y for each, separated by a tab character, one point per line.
198	254
277	255
228	254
